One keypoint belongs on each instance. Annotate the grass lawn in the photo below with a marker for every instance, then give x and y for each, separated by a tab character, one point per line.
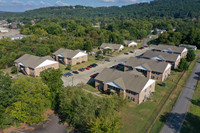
137	118
172	100
192	121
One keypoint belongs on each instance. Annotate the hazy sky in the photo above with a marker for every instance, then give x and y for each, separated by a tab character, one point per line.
22	5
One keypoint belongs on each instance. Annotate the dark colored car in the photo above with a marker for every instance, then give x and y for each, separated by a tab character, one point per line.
132	51
126	53
81	69
68	74
75	72
94	75
141	48
94	65
108	60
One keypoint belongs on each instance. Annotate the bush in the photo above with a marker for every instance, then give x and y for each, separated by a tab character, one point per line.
69	67
190	56
14	70
183	66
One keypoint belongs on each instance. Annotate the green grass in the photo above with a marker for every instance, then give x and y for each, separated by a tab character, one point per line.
192	120
172	100
90	87
137	118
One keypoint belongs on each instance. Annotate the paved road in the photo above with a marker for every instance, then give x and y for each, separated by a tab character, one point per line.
177	116
84	77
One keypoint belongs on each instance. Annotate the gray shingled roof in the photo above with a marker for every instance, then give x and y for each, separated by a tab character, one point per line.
166	56
112	46
127	42
153	65
67	53
32	61
172	48
126	80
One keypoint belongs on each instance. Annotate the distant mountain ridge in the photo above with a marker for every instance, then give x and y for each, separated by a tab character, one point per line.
155	9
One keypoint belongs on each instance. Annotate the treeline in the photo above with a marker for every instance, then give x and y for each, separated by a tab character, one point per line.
26	99
154	9
46	36
186	33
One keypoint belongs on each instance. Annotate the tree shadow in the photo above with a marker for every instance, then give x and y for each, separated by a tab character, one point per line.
174	121
196	102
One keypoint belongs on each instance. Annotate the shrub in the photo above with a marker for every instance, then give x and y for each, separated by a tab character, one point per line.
14	70
69	67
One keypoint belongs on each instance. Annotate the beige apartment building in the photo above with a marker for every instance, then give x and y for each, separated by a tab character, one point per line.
72	57
33	65
133	86
149	68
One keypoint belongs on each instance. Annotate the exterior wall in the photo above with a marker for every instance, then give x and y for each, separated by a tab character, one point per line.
184	54
176	64
166	74
157	76
136	97
38	70
149	90
74	61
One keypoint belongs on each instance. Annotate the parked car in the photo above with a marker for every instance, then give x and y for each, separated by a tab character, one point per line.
75	72
93	65
132	51
68	74
141	48
81	69
94	75
87	68
108	60
126	53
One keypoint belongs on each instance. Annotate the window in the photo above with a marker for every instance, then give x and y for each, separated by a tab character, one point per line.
133	99
145	90
128	97
43	68
150	86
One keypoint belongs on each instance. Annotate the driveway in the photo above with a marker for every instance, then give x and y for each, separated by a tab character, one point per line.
84	77
177	116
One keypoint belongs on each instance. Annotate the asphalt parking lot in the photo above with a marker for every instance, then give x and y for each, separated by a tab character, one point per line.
84	77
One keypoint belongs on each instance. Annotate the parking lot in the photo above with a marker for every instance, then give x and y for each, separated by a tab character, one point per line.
84	77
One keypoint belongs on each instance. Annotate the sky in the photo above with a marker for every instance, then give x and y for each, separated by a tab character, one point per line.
23	5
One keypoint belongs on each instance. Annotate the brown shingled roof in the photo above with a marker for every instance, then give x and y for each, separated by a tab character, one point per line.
32	60
172	48
112	46
67	53
125	80
153	65
166	56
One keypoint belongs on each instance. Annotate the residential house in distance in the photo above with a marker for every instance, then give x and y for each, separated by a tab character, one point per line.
72	57
112	47
173	59
14	37
33	65
133	86
130	43
192	47
172	49
3	30
149	68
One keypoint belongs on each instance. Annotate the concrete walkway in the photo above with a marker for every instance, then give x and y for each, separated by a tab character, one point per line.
177	116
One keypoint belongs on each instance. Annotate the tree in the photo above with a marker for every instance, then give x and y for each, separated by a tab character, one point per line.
32	99
183	66
190	55
155	31
14	70
104	125
88	46
52	78
69	67
77	107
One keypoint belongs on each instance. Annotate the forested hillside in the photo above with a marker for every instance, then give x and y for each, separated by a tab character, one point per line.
154	9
